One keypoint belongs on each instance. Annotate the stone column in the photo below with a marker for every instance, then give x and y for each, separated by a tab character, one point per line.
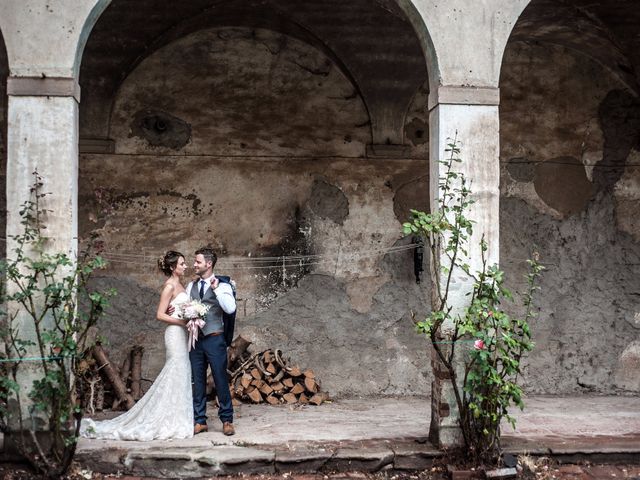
42	136
469	114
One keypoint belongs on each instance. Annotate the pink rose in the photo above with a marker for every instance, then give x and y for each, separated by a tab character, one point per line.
478	344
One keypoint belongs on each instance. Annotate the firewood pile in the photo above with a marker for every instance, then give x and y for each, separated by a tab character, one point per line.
262	377
106	384
268	377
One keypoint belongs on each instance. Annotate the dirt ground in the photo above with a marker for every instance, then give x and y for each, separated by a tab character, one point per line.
529	469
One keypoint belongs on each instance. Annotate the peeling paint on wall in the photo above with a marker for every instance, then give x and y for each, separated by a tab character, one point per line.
562	184
274	176
568	134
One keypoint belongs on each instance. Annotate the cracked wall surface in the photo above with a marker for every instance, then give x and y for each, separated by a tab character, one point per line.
273	167
569	150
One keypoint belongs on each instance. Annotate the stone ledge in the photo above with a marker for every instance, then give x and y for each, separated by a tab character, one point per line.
369	459
463	95
43	87
302	460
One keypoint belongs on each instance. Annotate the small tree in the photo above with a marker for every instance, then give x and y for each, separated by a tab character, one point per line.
50	311
488	382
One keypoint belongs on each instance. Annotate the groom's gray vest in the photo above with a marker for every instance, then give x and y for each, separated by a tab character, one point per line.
213	320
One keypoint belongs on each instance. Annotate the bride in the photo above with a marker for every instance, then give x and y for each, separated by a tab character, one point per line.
166	410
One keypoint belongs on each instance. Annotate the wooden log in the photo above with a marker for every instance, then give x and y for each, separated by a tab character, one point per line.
279	360
257	383
308	373
246	380
297	389
99	396
237	348
319	398
119	388
288	382
311	385
255	373
261	367
279	376
271	368
266	389
244	366
277	387
136	371
255	395
272	400
290	398
125	373
125	369
302	399
294	371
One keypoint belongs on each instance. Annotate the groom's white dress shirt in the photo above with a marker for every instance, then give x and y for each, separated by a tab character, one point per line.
224	293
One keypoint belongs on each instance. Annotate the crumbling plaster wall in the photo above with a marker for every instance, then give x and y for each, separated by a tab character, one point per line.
255	142
260	150
570	178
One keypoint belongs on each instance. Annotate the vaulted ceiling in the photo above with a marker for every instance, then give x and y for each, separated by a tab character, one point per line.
370	41
607	30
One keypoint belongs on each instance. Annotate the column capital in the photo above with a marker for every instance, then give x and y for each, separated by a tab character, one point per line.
43	87
464	96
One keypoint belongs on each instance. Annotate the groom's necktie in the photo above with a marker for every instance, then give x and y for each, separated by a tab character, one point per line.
201	289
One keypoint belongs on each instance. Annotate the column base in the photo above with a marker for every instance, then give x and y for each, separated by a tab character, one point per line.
446	437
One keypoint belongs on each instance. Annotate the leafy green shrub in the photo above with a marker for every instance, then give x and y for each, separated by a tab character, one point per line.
49	313
484	378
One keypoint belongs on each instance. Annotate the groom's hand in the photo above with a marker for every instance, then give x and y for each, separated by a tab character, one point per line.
170	310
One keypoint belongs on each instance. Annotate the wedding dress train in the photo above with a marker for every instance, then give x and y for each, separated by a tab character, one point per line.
166	410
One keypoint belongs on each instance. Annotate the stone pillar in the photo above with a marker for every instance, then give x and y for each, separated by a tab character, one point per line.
471	115
42	135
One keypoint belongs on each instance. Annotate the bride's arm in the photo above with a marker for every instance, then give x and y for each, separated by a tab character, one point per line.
165	299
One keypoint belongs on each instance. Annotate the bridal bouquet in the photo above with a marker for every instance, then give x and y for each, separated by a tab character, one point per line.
194	311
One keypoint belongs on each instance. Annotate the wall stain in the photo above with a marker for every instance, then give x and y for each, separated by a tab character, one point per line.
160	129
619	116
562	184
328	201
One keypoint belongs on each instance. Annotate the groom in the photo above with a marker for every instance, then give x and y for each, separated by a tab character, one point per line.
211	348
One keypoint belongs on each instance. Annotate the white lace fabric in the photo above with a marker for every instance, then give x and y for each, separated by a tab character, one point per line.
166	410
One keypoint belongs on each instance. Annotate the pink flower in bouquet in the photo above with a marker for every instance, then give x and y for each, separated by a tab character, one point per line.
478	344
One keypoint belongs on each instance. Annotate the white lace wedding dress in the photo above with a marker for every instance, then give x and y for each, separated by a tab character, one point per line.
166	410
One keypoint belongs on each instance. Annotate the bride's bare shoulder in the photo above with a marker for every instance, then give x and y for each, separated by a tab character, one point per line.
168	288
174	288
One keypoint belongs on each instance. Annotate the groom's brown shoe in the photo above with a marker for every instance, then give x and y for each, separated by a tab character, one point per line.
199	428
227	428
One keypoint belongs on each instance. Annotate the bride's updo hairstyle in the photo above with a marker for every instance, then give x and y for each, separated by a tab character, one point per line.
167	263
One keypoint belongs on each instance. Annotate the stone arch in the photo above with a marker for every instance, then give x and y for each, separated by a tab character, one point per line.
417	20
361	63
577	26
299	197
90	21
